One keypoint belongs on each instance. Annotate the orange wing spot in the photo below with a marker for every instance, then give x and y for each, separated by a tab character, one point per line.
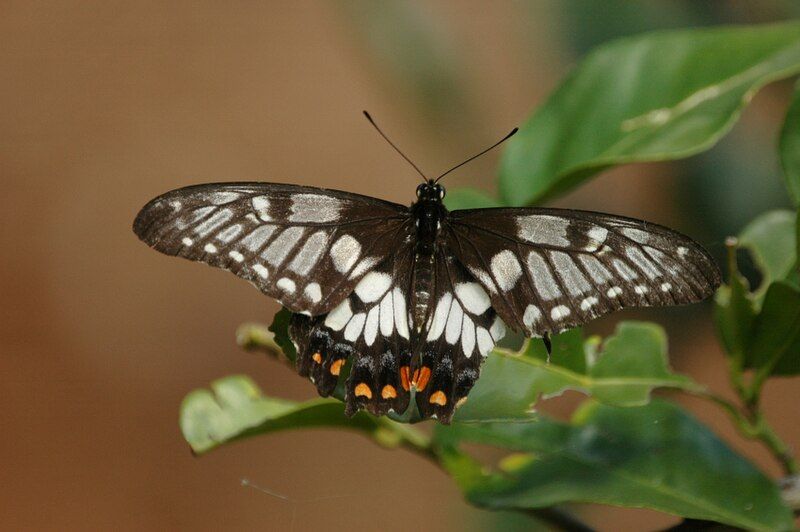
388	392
438	398
316	357
404	378
362	390
421	378
336	367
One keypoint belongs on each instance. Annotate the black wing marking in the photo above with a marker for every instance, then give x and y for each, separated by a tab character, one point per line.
547	270
461	329
370	329
307	247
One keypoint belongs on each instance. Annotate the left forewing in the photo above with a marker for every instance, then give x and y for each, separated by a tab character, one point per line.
306	247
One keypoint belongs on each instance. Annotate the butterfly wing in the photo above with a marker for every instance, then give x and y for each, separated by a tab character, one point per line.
461	329
306	247
370	329
547	270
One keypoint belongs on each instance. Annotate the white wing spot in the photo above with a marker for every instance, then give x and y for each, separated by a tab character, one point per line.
506	269
666	287
559	312
682	251
286	284
283	244
221	198
641	289
229	233
645	264
439	317
338	317
498	329
344	253
210	248
261	206
637	235
624	270
314	208
261	270
453	328
531	316
589	302
372	287
543	229
468	337
309	254
187	241
313	292
255	240
214	221
235	255
614	291
473	297
400	316
354	327
597	236
371	328
574	281
542	277
485	341
176	205
387	315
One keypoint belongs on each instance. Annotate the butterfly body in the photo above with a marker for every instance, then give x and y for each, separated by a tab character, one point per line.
410	300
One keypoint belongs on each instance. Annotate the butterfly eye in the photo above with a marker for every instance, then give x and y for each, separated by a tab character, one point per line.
441	192
420	188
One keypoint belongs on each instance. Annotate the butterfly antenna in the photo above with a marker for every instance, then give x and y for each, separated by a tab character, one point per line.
371	121
496	144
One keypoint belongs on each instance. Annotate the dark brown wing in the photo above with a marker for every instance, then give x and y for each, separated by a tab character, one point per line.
370	329
547	270
306	247
461	329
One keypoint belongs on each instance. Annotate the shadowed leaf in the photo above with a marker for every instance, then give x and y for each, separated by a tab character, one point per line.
656	456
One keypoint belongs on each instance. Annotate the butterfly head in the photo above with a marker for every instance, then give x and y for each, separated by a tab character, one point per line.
430	191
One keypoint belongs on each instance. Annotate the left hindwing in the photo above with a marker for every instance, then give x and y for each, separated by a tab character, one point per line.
306	247
370	329
547	270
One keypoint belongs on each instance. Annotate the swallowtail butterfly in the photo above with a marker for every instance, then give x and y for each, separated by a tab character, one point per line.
414	298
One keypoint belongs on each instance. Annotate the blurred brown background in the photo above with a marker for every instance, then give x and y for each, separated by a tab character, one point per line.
104	105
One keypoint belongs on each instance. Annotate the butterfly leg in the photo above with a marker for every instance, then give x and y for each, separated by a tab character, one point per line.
547	344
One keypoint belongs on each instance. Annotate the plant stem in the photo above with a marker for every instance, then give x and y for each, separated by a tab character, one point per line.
753	425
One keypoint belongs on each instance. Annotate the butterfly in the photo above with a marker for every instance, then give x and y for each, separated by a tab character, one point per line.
411	299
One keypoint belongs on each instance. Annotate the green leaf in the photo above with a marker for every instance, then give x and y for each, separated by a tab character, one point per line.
771	240
654	97
789	147
735	310
235	408
775	346
630	365
280	329
469	198
656	456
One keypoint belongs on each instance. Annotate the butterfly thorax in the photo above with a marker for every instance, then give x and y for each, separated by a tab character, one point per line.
428	214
